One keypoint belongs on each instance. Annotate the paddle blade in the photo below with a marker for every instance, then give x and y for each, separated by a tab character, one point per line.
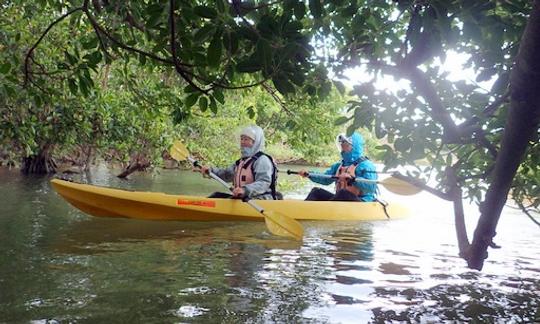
178	151
400	187
281	225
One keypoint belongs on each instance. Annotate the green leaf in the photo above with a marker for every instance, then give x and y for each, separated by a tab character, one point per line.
71	59
248	66
417	151
248	33
213	105
297	77
91	43
94	58
218	94
10	91
220	5
230	42
4	68
155	14
203	33
263	54
203	103
190	89
380	132
403	144
350	130
73	86
299	10
192	99
283	85
214	50
292	28
84	86
340	87
142	59
251	112
316	8
341	120
38	100
205	12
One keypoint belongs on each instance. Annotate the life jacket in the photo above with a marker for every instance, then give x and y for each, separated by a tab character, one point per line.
244	173
345	184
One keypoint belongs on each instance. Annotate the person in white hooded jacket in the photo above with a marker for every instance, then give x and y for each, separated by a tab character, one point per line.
254	175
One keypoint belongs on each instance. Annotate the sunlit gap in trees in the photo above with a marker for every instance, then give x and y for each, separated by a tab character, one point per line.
452	69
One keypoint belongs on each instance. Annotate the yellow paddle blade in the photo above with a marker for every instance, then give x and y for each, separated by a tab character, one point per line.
178	151
400	187
281	225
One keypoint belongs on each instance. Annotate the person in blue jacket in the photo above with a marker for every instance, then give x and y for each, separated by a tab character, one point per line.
353	165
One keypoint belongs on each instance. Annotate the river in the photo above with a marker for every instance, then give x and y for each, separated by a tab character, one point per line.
60	265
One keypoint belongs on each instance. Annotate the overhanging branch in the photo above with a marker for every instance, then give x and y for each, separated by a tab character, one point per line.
438	111
175	61
31	50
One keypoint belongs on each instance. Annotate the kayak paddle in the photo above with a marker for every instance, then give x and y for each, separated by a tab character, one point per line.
277	223
394	185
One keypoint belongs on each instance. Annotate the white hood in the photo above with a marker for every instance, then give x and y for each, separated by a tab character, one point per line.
256	133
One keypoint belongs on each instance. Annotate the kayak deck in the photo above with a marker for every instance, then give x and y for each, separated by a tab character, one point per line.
107	202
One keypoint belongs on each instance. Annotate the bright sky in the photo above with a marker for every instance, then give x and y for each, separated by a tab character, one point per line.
453	64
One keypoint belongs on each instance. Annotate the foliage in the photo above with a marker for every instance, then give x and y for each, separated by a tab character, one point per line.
488	32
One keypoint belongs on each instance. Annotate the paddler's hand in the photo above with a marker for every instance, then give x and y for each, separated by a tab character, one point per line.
238	192
303	173
346	177
203	169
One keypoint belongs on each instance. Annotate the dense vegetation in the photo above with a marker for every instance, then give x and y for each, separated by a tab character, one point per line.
124	78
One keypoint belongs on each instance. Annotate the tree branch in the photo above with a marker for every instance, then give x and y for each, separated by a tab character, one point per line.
459	215
526	212
277	99
175	61
471	125
438	111
417	183
96	26
31	50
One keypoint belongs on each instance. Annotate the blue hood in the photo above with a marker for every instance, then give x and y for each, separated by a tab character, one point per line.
357	150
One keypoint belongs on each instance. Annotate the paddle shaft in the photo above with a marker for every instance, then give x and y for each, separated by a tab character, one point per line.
353	179
226	185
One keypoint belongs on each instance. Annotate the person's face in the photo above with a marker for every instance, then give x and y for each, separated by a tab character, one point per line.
246	141
346	147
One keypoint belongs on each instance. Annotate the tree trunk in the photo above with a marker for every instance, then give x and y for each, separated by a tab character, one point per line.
521	126
41	163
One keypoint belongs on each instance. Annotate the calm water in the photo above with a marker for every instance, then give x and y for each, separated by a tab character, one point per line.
59	265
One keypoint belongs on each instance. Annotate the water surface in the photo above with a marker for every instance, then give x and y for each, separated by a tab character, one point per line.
58	264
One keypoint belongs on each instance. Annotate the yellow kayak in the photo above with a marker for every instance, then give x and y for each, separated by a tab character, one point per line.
108	202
